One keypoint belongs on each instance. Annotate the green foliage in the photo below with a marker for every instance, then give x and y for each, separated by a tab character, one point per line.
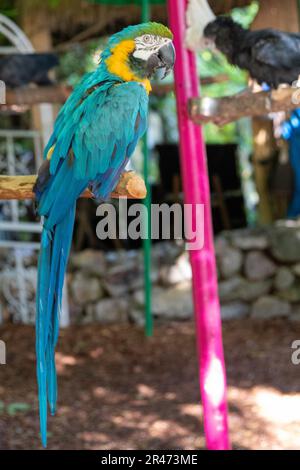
53	3
7	8
78	61
125	2
220	135
245	16
13	408
213	64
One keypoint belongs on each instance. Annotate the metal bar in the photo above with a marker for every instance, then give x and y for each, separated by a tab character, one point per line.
11	37
18	33
205	287
31	227
7	50
19	133
147	202
15	244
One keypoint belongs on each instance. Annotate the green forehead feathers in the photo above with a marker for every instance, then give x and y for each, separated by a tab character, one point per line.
132	32
156	29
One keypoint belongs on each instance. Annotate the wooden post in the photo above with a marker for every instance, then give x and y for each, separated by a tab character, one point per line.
264	149
281	16
36	27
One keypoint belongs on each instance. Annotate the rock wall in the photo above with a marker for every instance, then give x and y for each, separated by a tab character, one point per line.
258	272
108	287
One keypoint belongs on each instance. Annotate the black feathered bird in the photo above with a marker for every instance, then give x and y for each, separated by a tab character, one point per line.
17	70
270	56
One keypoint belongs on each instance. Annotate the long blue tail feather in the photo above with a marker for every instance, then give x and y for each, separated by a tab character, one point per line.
55	248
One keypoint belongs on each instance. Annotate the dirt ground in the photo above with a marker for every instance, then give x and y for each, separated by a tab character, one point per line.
118	390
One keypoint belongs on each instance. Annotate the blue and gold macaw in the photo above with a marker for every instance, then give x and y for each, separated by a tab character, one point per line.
94	135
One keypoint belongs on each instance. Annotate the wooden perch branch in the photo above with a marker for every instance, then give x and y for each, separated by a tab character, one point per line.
130	185
231	108
29	96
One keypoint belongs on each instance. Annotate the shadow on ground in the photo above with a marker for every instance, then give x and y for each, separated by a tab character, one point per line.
119	390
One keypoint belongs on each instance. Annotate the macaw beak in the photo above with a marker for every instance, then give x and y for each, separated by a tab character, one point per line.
162	61
167	56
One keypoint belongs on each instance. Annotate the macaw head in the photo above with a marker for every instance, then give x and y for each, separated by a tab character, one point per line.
138	52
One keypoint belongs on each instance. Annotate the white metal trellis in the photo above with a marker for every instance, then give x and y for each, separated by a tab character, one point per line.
18	281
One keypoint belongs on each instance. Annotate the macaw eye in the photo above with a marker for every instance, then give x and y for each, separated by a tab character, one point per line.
147	38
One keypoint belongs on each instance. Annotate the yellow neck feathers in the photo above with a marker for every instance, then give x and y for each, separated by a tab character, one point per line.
117	64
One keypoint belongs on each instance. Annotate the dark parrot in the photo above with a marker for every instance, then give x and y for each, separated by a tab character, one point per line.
18	70
270	56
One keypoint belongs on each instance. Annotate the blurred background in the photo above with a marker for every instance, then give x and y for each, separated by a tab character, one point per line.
119	388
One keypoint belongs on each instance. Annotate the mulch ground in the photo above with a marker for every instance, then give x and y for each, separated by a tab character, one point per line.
119	390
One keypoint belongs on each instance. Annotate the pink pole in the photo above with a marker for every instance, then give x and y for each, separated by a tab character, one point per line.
205	288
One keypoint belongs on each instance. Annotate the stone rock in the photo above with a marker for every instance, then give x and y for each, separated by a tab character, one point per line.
295	315
90	261
166	252
181	271
85	289
228	290
252	290
119	260
138	296
123	280
258	266
292	294
270	307
230	262
294	318
137	316
238	288
86	319
285	241
296	269
175	303
76	311
221	245
284	278
109	310
234	310
117	282
249	239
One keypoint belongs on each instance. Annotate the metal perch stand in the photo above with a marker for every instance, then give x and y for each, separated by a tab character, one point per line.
205	286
